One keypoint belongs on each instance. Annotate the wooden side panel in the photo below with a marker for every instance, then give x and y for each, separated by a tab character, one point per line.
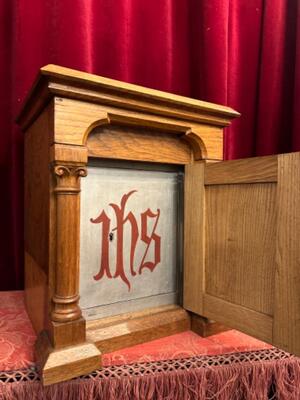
194	279
286	329
35	288
36	205
240	244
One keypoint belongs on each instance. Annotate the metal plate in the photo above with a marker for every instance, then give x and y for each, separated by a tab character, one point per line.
129	244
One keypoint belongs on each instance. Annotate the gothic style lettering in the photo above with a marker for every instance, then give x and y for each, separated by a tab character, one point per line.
148	239
107	236
121	220
104	266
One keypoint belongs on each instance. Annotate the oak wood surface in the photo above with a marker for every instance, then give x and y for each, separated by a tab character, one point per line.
112	334
75	119
64	334
133	144
61	153
56	80
206	327
247	170
94	324
194	278
66	290
58	365
36	287
36	222
252	212
36	195
240	244
241	222
286	326
236	316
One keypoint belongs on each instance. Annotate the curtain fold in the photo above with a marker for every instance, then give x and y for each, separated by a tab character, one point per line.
241	53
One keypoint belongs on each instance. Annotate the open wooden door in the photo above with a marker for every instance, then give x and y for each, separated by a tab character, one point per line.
242	246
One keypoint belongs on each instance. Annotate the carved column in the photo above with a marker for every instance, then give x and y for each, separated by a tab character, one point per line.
66	290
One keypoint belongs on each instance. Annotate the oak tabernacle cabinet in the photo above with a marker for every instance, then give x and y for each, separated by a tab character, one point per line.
134	231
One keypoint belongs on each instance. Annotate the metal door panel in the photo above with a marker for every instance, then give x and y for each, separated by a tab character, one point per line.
148	221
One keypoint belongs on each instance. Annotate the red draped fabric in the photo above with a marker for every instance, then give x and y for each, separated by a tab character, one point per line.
242	53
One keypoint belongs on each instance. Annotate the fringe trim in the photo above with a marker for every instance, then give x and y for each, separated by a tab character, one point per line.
257	375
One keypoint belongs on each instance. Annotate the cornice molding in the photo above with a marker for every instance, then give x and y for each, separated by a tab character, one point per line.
55	81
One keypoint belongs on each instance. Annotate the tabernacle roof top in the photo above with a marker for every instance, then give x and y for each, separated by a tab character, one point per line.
58	81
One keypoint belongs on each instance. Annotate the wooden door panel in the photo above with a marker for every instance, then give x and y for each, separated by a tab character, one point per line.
245	272
193	276
286	324
240	243
235	316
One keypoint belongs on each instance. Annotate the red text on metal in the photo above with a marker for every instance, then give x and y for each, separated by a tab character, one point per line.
137	234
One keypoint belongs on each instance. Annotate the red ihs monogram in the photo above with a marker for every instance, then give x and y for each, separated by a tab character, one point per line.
121	220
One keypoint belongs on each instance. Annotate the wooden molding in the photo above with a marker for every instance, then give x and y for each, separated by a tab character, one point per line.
76	123
183	131
64	154
75	120
246	170
59	81
120	143
247	320
200	151
113	333
58	365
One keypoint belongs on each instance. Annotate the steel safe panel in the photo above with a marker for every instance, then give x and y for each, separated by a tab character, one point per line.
129	241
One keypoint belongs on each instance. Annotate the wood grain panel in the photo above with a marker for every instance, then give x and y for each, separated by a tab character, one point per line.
244	319
287	284
247	170
35	288
58	365
193	237
138	144
36	196
212	138
113	334
67	333
68	153
74	119
36	217
240	244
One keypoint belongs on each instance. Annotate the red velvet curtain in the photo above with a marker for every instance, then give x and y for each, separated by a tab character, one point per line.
242	53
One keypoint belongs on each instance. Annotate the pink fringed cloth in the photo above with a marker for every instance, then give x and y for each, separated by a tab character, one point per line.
229	365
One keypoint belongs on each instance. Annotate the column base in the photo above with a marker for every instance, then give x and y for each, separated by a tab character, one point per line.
58	365
62	334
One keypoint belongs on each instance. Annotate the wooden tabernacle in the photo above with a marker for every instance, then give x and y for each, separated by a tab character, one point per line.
240	223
